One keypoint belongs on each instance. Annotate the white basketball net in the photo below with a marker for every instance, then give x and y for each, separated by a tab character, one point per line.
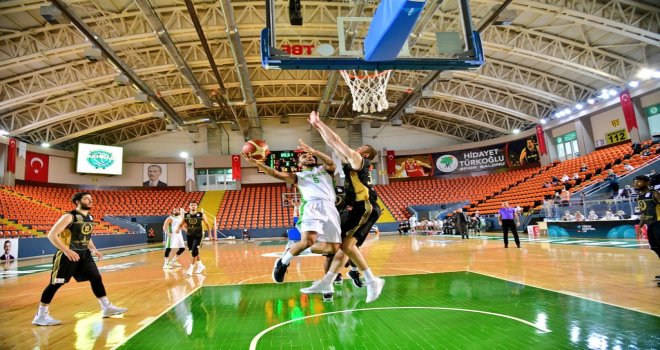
368	90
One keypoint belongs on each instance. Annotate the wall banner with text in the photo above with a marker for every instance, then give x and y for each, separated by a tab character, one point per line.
514	154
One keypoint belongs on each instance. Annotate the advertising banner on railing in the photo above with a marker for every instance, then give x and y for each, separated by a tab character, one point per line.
508	155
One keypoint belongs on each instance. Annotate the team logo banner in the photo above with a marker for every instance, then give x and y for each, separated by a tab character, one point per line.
512	154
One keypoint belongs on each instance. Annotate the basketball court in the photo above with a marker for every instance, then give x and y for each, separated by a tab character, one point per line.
439	293
367	63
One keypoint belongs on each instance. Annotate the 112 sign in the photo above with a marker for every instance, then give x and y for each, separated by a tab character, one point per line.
616	136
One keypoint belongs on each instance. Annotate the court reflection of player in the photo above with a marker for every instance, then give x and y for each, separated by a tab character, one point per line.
413	168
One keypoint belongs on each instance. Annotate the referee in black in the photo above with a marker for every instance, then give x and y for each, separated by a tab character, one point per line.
72	236
508	219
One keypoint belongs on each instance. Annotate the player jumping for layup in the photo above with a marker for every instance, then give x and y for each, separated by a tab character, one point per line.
319	219
364	213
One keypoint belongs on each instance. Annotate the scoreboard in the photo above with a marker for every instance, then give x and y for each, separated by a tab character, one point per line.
284	161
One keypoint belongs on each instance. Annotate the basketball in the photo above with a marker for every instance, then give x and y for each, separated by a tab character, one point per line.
256	149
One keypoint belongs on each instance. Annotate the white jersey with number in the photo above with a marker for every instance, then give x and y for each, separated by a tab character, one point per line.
316	184
317	205
175	240
176	222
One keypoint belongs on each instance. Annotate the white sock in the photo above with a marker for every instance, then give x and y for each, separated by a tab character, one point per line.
354	268
199	262
104	301
286	258
368	275
174	258
329	278
165	261
43	310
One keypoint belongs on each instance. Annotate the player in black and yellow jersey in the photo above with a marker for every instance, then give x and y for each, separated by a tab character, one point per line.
648	202
192	224
72	236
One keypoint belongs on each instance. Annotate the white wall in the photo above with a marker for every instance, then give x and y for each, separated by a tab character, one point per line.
650	99
403	138
168	145
562	130
285	137
602	123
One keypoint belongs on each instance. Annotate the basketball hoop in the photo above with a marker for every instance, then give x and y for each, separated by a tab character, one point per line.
368	90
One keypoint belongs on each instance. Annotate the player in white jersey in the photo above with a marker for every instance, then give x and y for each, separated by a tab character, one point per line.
174	238
319	219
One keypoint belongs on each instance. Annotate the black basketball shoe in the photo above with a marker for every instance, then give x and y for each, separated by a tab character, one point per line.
339	280
355	276
328	297
279	270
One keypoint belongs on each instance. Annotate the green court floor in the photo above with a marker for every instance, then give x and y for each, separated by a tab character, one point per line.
458	310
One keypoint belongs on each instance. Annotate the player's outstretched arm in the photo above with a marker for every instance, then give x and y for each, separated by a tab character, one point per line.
328	164
288	177
334	141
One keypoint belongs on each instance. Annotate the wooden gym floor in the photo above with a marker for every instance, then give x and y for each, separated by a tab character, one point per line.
575	293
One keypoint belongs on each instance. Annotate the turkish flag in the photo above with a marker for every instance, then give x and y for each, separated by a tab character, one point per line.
628	110
541	140
236	167
391	164
36	167
11	156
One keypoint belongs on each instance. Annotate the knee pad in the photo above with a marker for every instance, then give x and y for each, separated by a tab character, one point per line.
195	252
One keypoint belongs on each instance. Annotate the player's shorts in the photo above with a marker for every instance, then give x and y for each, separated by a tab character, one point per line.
82	270
321	217
174	240
359	220
193	242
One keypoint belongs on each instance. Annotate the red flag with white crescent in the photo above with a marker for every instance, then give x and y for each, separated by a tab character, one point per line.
236	167
391	163
628	110
36	167
11	156
540	140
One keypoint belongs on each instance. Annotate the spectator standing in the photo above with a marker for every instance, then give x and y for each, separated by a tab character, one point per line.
613	181
461	223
